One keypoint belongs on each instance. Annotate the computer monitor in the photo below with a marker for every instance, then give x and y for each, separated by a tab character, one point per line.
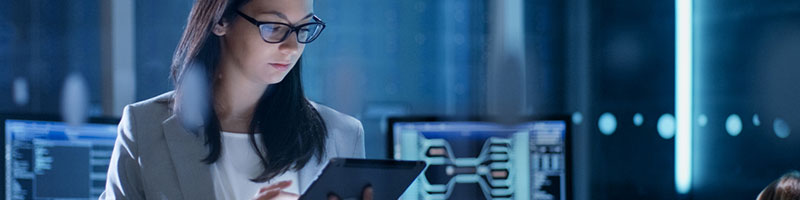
480	159
49	159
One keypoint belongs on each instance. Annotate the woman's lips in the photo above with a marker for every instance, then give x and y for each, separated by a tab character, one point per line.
280	66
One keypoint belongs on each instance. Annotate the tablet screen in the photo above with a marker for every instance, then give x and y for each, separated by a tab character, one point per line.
346	178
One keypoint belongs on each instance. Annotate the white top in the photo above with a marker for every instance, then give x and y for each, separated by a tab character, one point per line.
237	164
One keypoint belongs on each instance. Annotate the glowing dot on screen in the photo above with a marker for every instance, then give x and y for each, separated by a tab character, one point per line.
449	170
638	119
702	120
607	123
483	170
666	126
781	128
733	125
577	118
756	120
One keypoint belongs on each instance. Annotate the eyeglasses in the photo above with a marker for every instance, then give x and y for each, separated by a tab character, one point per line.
277	32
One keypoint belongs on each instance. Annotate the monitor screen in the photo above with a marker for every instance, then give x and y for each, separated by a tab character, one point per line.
53	160
484	160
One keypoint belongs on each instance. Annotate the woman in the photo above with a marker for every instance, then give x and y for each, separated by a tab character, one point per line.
238	125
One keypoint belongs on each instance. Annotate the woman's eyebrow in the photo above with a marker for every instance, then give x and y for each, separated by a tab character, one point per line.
283	16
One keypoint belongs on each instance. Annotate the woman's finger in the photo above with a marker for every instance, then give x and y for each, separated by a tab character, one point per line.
267	195
366	194
333	196
278	185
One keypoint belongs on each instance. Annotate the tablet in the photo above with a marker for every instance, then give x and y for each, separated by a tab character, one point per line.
347	178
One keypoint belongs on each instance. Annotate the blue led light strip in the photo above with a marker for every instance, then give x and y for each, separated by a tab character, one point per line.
683	95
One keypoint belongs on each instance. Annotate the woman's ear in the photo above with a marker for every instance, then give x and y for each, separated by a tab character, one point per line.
220	28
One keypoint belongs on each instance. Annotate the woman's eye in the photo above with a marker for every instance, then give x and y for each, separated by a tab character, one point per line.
271	28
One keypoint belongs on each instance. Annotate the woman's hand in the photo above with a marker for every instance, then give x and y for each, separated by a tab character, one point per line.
275	192
366	194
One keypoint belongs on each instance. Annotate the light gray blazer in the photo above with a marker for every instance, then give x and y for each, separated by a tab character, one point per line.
155	158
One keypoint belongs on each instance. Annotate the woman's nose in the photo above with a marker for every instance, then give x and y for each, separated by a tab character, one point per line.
290	45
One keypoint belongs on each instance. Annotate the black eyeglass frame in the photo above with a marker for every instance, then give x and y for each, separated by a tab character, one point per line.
295	29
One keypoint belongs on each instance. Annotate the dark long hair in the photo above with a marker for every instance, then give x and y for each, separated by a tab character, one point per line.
293	131
786	187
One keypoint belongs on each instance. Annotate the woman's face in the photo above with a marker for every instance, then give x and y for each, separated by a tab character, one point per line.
246	55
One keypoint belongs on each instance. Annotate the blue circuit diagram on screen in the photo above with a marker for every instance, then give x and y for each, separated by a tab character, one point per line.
472	160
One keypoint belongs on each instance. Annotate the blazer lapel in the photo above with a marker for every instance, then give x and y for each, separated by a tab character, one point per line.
187	151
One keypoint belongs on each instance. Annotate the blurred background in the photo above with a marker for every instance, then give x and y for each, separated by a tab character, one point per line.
608	65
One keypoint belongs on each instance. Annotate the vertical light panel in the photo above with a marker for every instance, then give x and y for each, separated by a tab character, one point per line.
119	61
506	81
683	95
